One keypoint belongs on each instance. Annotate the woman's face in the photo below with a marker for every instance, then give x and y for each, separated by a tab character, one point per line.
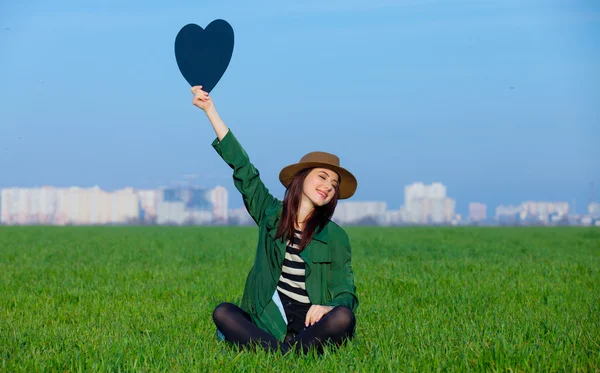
320	186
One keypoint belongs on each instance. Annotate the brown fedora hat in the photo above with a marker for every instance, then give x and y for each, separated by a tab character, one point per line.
330	161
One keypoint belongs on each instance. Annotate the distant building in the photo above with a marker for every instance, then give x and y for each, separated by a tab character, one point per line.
533	212
415	196
542	211
184	206
74	205
424	204
436	191
477	212
219	198
392	217
348	212
441	210
148	202
13	206
417	210
450	211
507	214
594	210
239	216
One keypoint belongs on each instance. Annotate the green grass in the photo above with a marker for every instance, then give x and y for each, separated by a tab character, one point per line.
432	299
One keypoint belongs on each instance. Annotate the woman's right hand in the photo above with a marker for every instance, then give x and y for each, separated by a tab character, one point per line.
202	99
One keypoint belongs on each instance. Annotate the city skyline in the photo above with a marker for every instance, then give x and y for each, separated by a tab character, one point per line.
462	207
188	204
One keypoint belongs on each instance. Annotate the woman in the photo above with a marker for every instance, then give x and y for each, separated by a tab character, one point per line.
300	293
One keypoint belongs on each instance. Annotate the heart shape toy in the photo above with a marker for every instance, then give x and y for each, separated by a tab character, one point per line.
203	55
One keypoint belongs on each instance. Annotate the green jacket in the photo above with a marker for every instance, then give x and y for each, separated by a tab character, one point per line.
329	275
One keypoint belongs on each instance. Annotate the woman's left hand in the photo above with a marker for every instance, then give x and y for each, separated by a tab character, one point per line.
315	313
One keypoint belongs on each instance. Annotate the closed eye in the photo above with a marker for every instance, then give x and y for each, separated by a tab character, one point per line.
334	184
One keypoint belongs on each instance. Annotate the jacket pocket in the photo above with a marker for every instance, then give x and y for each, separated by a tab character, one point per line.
321	256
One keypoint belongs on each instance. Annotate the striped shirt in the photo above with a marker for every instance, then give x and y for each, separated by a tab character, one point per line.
292	280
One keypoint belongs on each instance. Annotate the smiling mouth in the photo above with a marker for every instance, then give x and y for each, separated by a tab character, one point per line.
322	194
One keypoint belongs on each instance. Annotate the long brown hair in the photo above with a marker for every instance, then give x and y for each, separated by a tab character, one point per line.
317	219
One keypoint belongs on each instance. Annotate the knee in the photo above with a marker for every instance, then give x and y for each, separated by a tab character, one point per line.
344	316
221	312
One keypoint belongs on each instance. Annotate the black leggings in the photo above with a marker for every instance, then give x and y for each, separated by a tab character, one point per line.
237	327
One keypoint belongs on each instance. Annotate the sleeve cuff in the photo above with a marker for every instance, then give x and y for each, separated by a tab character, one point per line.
216	143
227	143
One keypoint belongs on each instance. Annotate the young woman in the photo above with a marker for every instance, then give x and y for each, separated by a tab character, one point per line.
300	293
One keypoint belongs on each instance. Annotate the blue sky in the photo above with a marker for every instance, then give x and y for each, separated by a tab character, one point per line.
498	100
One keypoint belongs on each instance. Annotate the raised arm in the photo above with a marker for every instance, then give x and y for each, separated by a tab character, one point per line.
204	101
246	177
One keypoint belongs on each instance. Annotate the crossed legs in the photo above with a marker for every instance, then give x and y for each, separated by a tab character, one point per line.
237	327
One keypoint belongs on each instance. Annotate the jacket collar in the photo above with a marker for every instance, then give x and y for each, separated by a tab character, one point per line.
314	252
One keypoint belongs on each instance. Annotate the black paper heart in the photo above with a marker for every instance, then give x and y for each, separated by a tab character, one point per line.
204	55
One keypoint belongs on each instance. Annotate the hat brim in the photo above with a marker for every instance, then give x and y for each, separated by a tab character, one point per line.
348	182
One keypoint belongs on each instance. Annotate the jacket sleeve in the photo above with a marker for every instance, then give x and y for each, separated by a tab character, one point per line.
341	277
246	177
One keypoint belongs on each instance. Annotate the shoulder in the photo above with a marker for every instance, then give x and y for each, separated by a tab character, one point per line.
337	234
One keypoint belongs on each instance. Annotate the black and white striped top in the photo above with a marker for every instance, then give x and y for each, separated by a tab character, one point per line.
292	280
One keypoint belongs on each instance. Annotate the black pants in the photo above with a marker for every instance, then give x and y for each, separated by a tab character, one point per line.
236	325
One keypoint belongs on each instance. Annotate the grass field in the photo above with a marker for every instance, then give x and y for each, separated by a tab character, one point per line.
432	299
